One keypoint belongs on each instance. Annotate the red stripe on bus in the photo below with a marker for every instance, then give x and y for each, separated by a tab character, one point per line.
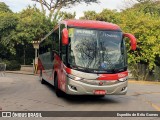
112	76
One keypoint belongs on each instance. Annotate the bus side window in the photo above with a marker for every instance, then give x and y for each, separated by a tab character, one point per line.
56	42
42	49
64	53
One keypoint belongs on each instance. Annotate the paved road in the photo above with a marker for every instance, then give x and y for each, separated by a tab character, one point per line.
24	92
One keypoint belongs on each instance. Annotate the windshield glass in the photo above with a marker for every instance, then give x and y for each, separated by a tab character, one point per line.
96	49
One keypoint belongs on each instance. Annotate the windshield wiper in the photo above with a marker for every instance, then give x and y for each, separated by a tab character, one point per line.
89	70
81	68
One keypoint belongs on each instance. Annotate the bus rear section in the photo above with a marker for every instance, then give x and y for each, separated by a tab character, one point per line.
85	58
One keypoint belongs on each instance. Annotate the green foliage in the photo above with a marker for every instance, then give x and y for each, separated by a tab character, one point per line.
90	15
145	28
32	25
105	15
8	23
65	15
151	7
20	29
4	7
12	65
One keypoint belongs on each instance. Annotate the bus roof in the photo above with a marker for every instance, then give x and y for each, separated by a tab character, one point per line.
91	24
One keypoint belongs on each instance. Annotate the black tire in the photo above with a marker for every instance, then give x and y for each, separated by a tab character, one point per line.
58	92
41	78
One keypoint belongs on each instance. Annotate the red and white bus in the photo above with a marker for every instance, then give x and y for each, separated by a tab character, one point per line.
85	57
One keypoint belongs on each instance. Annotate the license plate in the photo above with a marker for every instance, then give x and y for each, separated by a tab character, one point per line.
99	92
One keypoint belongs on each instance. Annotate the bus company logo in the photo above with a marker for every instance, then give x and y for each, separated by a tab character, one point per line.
101	83
6	114
121	75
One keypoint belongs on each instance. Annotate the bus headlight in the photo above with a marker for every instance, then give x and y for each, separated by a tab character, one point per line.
123	79
74	77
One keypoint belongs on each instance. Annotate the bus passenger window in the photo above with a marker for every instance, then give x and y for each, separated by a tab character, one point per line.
56	42
63	53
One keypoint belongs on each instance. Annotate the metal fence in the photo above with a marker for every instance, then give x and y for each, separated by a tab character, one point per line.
2	69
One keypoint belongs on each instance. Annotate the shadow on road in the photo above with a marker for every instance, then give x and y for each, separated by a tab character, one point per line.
89	99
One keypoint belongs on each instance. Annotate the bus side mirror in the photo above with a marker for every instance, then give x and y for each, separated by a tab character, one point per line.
132	40
65	36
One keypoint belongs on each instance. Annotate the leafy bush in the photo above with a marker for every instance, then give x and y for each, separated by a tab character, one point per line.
12	65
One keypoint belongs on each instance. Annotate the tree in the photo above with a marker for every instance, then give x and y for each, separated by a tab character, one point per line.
32	26
54	6
4	7
90	15
144	25
105	15
18	30
151	7
65	15
8	23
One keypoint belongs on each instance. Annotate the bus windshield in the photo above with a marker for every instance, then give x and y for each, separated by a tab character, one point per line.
97	50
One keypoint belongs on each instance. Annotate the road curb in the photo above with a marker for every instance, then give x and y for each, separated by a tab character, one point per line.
20	72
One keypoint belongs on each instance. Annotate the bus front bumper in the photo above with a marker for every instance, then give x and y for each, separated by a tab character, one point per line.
80	88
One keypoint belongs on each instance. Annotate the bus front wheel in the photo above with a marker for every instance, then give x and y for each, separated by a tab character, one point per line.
59	93
41	78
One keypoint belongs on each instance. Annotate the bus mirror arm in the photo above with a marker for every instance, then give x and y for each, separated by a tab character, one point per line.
132	40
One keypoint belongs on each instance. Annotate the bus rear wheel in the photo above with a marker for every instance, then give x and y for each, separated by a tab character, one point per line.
59	93
41	78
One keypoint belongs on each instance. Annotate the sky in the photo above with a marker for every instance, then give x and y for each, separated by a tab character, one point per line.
18	5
